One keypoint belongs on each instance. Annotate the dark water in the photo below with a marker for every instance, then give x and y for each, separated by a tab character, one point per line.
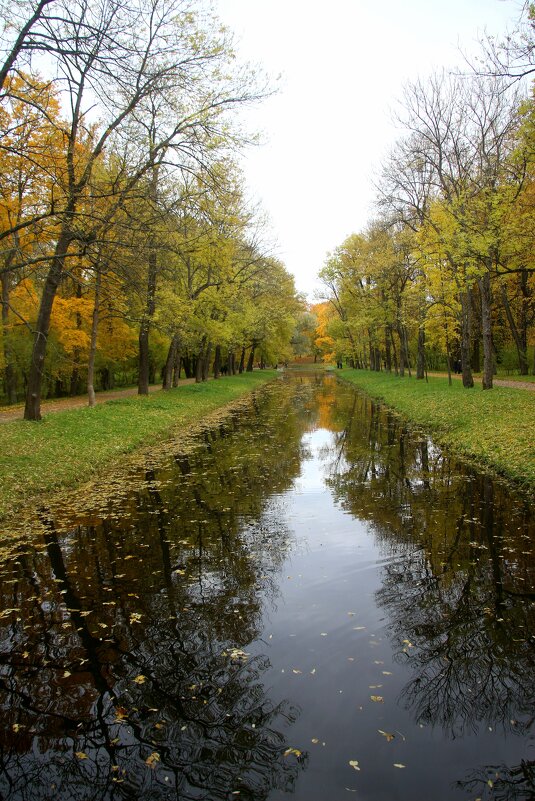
313	604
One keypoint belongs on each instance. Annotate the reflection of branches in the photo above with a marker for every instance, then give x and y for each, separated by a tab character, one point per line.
503	782
452	597
122	674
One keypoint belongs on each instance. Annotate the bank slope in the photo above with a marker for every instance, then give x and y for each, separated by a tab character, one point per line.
494	428
71	447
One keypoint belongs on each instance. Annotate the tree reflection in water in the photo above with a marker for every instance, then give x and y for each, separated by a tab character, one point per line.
131	664
124	666
461	601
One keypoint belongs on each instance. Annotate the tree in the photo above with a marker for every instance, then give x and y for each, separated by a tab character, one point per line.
122	56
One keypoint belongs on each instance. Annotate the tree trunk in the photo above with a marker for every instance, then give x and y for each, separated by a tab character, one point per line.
200	362
176	368
76	389
250	361
486	329
448	357
9	369
466	325
206	362
388	352
170	362
377	352
394	351
242	361
420	361
32	410
402	355
217	361
188	367
144	331
475	330
519	336
93	343
150	307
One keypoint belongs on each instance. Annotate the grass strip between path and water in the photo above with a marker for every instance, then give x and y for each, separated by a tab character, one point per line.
495	428
71	447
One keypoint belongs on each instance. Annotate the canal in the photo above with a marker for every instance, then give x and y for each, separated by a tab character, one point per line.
307	601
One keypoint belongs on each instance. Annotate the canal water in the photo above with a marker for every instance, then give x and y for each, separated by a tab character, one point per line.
308	602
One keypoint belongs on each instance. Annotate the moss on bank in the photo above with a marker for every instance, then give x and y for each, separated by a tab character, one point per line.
493	427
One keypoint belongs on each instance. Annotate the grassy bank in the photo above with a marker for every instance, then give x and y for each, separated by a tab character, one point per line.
494	428
71	447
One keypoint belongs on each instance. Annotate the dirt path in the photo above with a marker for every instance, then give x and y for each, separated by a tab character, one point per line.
497	382
10	413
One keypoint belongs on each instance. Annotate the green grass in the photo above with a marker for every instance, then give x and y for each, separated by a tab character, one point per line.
68	448
495	427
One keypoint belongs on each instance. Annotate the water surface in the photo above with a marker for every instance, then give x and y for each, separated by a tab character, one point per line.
313	603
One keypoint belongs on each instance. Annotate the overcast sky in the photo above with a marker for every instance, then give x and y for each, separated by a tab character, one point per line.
343	66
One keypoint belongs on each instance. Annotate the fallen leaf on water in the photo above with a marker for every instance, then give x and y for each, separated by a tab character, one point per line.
237	653
314	740
389	737
295	751
296	671
399	765
354	764
80	755
152	760
378	698
140	679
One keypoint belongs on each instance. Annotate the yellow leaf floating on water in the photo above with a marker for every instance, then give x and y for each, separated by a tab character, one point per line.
378	698
389	737
237	653
354	764
80	755
399	765
294	751
140	679
152	760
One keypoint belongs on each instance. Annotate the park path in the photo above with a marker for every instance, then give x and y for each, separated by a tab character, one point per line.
16	412
497	382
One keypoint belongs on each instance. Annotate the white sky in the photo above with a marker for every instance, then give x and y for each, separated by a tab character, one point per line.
343	65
